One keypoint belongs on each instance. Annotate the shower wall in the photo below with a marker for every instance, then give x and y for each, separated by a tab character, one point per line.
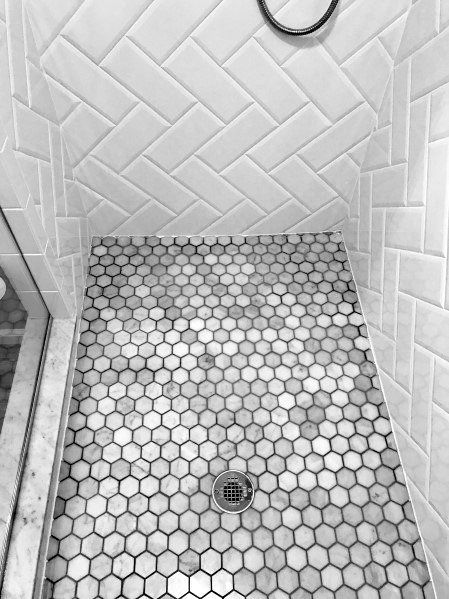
38	195
196	117
397	235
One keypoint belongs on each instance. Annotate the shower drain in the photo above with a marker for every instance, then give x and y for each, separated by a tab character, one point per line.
233	491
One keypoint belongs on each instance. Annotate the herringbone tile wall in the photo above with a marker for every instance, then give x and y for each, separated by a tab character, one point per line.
195	117
38	194
397	237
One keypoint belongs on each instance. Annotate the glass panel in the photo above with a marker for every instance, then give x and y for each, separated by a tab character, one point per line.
23	326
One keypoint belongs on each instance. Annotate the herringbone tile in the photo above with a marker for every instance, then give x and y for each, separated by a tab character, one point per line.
397	237
196	113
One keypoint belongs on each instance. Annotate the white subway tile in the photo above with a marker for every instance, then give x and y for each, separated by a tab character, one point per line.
437	201
257	72
238	137
439	463
441	384
432	329
185	137
88	81
203	181
289	137
134	134
107	184
425	79
253	183
83	30
155	183
370	70
159	33
404	341
422	276
303	184
209	83
324	82
417	153
421	410
404	228
389	186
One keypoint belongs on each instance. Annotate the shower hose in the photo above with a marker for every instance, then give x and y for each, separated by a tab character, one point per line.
303	30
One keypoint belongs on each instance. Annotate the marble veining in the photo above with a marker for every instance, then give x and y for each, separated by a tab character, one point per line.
199	355
28	532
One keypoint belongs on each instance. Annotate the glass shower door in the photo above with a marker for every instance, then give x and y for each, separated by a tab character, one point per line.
24	321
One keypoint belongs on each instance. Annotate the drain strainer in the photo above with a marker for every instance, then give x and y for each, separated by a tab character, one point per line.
233	491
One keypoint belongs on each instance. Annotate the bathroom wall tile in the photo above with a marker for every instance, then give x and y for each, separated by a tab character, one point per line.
441	384
222	34
421	27
435	534
389	295
238	137
326	219
439	114
432	329
439	463
180	142
195	219
257	72
398	401
436	236
202	181
244	215
148	181
384	350
404	341
134	134
419	112
418	151
107	184
377	249
82	30
83	129
288	138
371	68
32	132
372	306
342	175
422	398
422	276
347	133
404	228
32	163
312	71
389	186
98	89
221	57
288	217
159	34
366	21
415	461
439	578
300	181
424	79
250	179
401	112
209	83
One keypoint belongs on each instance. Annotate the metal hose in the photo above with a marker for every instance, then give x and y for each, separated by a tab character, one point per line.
302	31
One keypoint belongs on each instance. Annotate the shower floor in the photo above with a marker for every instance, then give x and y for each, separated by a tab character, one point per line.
199	355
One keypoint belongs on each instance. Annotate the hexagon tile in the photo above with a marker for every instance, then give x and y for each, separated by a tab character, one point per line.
202	354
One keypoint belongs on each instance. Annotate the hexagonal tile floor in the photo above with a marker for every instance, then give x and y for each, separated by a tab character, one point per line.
205	354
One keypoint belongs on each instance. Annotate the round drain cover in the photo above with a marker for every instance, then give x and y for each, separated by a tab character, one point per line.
233	491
